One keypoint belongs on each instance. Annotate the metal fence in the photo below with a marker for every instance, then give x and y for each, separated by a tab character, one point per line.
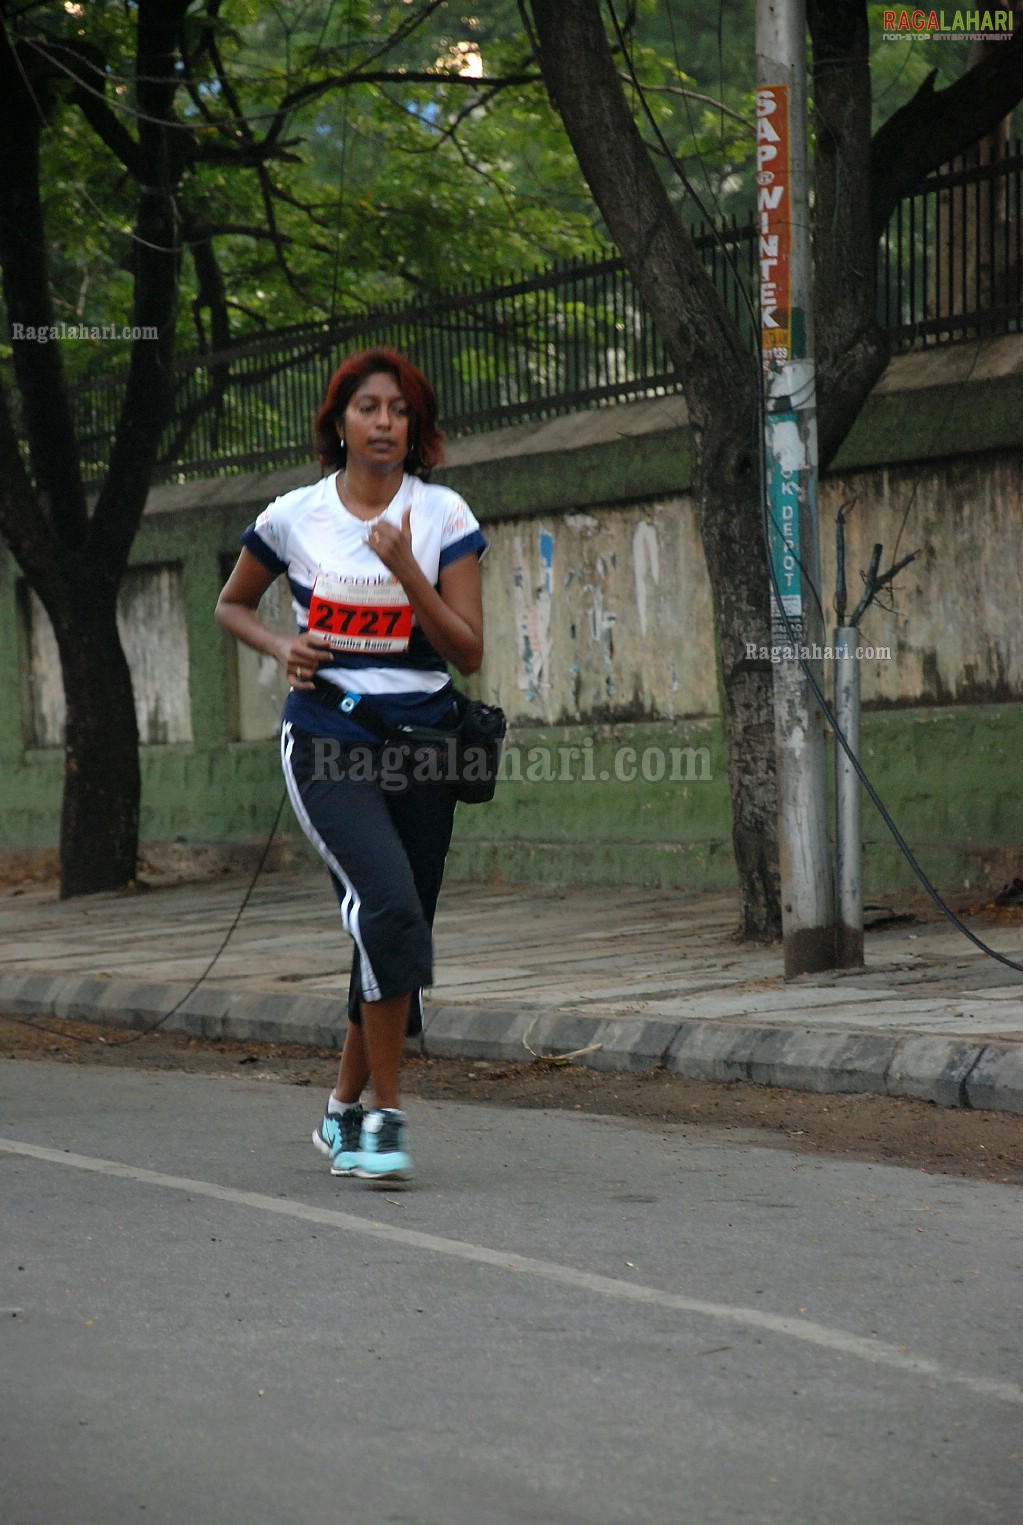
569	336
576	334
951	261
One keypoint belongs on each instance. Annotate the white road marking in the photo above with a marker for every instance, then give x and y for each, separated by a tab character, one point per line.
878	1352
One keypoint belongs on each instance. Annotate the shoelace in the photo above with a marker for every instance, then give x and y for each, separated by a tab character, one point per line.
389	1136
351	1128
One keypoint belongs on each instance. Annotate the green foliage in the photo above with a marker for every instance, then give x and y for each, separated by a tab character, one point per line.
373	192
899	68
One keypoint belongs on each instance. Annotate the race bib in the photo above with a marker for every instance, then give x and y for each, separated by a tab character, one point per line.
368	617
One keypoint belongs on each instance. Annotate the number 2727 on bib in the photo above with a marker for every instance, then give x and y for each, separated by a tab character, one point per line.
367	617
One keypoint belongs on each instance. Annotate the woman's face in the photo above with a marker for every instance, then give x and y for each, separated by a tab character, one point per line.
376	424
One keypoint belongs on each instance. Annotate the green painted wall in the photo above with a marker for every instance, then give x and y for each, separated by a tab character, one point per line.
949	775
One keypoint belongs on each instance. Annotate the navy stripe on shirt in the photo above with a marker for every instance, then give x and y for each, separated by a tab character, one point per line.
254	542
469	544
420	656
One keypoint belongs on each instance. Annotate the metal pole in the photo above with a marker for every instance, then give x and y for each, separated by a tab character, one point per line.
848	801
790	445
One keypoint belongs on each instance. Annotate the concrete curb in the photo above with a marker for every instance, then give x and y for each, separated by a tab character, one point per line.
950	1072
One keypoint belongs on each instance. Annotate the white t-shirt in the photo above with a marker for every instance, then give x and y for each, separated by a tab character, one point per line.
340	586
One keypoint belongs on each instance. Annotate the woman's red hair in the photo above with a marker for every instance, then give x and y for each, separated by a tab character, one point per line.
426	440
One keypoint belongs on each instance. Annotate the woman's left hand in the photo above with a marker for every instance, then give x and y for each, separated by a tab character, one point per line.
393	545
450	615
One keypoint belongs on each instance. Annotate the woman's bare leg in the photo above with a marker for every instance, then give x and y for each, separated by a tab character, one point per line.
384	1025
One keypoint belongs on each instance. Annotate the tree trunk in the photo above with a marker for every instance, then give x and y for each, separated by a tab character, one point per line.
75	561
100	816
727	489
859	182
851	350
718	377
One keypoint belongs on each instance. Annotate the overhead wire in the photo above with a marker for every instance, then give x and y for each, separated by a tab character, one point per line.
808	673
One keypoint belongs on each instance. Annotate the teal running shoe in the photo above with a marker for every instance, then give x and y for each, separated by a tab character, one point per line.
338	1138
383	1155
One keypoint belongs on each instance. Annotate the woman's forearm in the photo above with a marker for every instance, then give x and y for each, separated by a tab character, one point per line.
245	625
448	632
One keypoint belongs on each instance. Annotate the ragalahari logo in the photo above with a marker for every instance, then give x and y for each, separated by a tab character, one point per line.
947	26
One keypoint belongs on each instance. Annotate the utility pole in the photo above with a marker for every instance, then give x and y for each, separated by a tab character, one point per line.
790	450
848	802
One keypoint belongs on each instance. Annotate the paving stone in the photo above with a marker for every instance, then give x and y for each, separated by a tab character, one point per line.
809	1059
138	1006
714	1051
270	1018
996	1081
626	1045
29	995
464	1032
81	1000
932	1069
639	979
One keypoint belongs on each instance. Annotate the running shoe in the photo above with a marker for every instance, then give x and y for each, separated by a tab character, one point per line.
338	1137
383	1155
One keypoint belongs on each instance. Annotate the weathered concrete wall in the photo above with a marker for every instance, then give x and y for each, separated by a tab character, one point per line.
600	614
952	624
599	570
600	645
151	623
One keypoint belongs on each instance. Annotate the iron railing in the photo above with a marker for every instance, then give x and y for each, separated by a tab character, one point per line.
577	334
573	335
951	261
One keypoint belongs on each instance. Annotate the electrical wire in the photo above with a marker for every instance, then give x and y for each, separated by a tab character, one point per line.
145	1032
767	519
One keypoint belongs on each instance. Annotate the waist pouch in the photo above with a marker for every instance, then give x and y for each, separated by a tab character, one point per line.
465	755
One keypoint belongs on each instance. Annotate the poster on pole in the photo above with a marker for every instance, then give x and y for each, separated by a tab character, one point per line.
774	223
785	469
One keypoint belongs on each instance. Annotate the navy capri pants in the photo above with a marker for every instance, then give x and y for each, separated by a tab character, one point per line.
384	839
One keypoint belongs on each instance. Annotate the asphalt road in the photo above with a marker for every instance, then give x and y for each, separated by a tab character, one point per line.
566	1320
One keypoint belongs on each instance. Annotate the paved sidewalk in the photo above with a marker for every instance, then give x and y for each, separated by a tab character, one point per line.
637	978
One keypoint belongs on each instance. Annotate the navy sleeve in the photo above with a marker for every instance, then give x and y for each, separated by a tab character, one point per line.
473	544
253	542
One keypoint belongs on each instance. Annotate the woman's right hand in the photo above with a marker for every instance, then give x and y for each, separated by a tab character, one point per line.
302	657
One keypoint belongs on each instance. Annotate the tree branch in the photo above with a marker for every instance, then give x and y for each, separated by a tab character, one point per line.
45	406
156	255
695	95
317	88
85	69
936	125
25	529
706	349
851	350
